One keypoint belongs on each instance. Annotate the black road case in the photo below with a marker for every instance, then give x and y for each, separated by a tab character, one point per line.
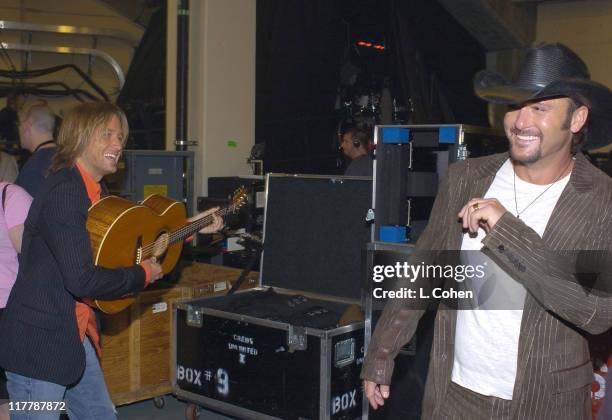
410	161
298	361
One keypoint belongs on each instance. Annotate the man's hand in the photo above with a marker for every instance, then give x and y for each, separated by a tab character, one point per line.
156	269
217	222
481	212
375	393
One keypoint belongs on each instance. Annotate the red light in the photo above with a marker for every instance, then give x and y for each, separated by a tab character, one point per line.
370	45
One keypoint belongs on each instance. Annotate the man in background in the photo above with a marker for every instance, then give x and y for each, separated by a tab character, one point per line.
36	130
354	144
9	119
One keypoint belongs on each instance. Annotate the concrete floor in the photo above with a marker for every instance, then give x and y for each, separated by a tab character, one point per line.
173	410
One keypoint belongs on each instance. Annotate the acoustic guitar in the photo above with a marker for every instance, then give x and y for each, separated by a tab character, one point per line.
124	234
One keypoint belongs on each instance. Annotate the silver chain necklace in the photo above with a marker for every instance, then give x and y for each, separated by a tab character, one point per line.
518	213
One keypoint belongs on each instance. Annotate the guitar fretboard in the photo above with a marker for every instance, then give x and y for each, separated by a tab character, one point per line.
184	232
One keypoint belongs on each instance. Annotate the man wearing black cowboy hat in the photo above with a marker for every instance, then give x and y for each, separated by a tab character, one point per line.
533	212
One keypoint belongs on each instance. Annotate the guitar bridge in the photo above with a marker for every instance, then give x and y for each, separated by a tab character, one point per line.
138	256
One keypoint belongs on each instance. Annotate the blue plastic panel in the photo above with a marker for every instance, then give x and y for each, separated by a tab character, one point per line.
447	135
396	234
395	135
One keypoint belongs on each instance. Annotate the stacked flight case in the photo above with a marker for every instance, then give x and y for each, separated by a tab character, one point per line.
302	358
410	162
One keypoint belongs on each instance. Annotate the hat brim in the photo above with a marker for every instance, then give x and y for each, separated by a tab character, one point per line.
494	88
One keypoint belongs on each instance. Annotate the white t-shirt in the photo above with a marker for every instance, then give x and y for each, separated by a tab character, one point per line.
486	340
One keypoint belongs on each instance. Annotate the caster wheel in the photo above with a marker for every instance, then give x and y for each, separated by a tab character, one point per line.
192	412
159	402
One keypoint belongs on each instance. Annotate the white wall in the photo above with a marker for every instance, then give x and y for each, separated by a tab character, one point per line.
585	27
222	87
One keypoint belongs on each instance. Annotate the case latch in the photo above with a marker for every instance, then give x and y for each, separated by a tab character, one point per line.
462	152
370	216
296	338
194	316
344	352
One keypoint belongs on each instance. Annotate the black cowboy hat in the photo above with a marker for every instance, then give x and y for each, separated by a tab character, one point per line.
549	71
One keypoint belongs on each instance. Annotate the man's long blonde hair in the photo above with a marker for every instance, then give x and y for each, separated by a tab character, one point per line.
79	128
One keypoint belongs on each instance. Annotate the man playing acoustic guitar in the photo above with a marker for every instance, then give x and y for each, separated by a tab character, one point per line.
49	335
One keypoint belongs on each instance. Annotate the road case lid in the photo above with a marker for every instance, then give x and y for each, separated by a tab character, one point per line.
314	232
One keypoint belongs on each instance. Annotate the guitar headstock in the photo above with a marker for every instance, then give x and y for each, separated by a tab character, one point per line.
239	198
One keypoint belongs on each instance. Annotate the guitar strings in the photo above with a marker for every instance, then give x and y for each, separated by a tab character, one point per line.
185	231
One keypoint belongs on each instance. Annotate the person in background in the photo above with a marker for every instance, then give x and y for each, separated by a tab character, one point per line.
15	203
36	128
8	167
9	119
605	411
354	144
9	138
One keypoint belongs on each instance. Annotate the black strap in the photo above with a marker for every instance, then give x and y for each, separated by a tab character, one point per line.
255	251
44	143
4	196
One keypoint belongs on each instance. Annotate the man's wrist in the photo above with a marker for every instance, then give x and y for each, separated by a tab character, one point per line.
147	269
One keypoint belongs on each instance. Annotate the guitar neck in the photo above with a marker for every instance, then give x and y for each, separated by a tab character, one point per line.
189	229
184	232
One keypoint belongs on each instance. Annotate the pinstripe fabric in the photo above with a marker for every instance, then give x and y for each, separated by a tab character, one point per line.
554	370
40	338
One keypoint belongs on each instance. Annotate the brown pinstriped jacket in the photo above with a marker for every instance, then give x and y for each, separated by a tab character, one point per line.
554	370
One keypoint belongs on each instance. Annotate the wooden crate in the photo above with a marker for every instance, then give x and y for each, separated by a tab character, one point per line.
136	343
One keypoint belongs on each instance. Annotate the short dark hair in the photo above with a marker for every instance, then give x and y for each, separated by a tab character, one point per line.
357	135
579	138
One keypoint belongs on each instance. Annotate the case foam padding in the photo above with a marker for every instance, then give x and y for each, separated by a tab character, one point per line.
314	234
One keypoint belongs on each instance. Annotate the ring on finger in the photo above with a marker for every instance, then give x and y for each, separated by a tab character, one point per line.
475	206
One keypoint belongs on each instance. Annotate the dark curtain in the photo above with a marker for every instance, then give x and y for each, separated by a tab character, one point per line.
302	46
434	60
299	50
143	94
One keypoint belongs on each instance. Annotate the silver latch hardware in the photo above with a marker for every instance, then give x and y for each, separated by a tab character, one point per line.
296	338
370	215
194	316
462	152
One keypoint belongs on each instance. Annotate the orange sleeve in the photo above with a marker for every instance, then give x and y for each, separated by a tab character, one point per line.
147	269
